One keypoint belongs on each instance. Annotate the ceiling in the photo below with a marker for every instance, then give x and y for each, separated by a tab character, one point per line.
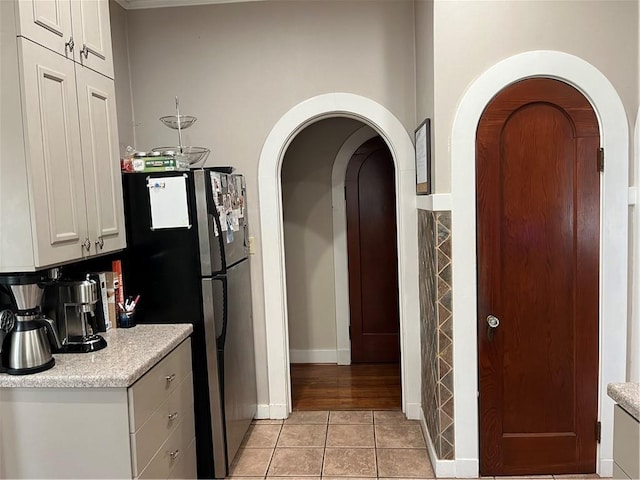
140	4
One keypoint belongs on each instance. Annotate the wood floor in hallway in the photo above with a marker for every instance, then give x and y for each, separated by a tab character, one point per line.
345	387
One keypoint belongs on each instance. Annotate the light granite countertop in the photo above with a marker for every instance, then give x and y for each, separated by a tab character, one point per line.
129	354
627	395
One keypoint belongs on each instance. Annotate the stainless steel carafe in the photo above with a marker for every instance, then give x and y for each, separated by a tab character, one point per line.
30	339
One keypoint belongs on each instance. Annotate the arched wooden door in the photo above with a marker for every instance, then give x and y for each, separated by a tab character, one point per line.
538	211
372	254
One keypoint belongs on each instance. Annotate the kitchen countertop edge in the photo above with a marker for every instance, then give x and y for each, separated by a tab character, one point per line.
627	395
129	354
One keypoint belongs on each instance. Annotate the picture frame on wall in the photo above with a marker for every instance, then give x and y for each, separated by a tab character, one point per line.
423	157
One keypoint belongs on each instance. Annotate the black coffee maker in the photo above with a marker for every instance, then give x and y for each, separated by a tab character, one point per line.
26	335
76	309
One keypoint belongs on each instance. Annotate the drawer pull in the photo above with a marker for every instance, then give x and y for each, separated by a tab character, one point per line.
174	454
173	416
170	378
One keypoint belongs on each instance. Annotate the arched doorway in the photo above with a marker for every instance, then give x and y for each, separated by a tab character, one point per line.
614	238
372	381
401	147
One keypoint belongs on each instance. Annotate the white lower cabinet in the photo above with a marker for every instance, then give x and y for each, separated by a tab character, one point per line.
161	417
626	445
144	431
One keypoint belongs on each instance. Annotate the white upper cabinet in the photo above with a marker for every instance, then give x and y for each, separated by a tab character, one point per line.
47	22
92	34
102	182
78	29
60	187
55	161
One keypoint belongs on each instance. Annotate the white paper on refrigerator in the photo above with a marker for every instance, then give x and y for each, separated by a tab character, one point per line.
168	200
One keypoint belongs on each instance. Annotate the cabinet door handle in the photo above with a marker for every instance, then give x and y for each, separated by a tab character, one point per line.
69	45
87	244
100	243
170	378
174	454
173	416
86	51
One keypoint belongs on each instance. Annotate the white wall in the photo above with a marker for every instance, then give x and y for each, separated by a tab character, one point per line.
240	67
424	64
122	77
471	36
308	236
633	373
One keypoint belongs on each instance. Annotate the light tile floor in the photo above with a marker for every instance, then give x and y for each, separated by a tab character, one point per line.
333	445
356	444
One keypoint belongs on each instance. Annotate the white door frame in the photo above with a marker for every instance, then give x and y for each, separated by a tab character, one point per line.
273	264
634	355
614	132
340	257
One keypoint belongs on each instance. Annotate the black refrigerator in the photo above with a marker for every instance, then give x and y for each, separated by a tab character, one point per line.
187	257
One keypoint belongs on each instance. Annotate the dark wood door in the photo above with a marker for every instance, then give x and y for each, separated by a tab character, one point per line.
538	197
372	251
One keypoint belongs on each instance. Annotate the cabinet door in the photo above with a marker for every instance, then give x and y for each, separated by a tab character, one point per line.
101	160
92	34
47	22
54	166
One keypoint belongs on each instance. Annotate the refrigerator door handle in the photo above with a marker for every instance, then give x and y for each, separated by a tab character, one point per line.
219	285
205	232
244	227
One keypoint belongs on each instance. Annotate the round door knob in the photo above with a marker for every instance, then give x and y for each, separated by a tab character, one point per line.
493	321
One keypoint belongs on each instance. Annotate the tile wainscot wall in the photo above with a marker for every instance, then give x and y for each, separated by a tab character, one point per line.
434	230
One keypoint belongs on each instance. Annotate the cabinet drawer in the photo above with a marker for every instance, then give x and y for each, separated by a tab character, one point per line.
172	450
626	442
146	441
185	467
155	386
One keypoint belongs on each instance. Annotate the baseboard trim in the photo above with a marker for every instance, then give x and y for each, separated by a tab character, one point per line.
278	411
262	411
413	411
344	357
442	468
467	468
313	356
605	468
275	412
